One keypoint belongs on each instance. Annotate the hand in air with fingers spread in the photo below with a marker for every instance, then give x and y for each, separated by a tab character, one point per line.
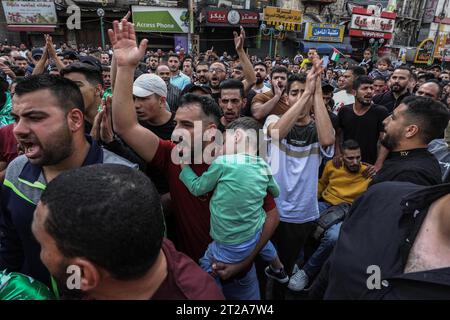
123	39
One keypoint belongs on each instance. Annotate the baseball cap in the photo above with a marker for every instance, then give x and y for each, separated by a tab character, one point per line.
327	86
148	84
37	53
193	87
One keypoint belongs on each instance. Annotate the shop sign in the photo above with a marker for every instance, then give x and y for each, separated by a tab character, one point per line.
30	12
371	23
278	15
160	19
232	17
324	32
424	51
369	34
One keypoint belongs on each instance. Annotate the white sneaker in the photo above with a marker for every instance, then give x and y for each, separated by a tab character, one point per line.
298	281
295	269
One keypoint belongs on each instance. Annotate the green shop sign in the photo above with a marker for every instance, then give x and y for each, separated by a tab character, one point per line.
160	19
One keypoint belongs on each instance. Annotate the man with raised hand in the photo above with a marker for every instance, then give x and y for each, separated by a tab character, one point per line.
195	115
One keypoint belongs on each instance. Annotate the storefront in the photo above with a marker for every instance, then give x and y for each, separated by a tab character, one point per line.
31	19
217	26
165	28
370	30
324	37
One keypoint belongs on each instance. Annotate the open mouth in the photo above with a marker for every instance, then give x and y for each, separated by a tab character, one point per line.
30	149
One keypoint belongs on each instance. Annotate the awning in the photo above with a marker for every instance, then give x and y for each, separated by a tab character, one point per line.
325	48
32	28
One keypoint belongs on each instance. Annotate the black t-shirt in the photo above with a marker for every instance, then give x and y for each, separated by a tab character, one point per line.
416	166
364	129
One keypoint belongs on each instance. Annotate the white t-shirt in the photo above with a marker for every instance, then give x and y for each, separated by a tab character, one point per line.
342	98
295	163
264	89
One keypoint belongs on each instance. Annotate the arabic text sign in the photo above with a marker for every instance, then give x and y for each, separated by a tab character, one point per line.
221	16
369	34
273	14
371	23
160	19
27	12
324	32
424	51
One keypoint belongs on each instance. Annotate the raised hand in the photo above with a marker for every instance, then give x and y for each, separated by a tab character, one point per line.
239	39
123	40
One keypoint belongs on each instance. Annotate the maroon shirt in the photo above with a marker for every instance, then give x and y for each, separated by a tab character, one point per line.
191	213
185	279
8	144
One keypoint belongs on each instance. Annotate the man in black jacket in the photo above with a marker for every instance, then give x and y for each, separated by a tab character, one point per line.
393	245
409	129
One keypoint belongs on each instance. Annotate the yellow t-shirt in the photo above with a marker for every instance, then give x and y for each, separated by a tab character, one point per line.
339	185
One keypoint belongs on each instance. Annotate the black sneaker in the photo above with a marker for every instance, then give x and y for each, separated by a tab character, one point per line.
280	276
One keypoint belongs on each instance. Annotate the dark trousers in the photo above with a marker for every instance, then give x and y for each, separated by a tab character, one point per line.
289	239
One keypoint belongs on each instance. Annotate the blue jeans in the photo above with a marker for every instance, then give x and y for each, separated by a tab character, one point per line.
245	288
312	267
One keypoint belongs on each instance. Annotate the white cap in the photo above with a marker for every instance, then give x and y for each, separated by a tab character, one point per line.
148	84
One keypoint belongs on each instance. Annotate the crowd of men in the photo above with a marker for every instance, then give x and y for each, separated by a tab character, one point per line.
166	176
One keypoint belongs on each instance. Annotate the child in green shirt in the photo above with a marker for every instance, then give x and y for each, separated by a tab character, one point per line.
240	181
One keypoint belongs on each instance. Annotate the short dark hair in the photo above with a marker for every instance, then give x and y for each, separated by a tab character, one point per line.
357	71
20	58
358	82
201	63
379	79
109	214
260	63
92	74
350	144
247	123
405	68
232	84
209	106
174	55
431	116
385	60
296	77
65	91
279	69
427	76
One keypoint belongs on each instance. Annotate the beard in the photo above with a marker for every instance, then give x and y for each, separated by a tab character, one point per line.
57	150
390	142
397	88
364	102
259	80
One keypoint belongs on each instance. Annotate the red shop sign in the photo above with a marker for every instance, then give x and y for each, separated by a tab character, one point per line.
217	16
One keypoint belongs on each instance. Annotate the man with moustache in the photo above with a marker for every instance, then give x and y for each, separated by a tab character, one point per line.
261	75
231	100
202	73
363	122
408	131
217	70
49	126
177	78
195	116
274	101
398	85
152	63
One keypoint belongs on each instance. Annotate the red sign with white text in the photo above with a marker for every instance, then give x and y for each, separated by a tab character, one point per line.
217	16
369	34
221	16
